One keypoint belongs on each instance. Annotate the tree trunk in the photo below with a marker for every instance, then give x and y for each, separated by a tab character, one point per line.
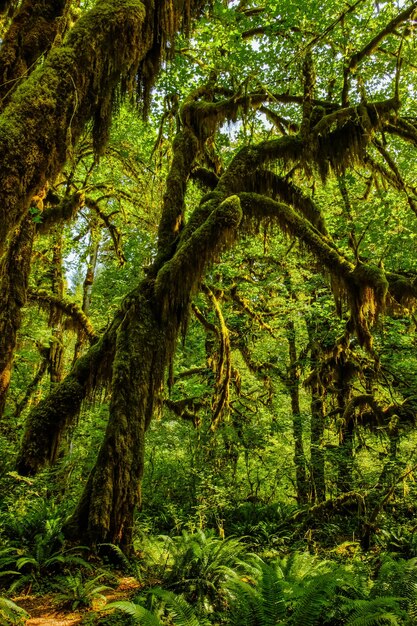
56	350
293	384
14	275
95	237
345	456
317	471
105	512
318	481
145	344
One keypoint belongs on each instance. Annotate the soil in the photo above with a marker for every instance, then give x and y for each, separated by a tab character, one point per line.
43	611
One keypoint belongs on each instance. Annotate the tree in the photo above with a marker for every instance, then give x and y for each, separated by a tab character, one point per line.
337	121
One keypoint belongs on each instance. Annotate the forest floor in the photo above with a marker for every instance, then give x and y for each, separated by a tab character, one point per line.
43	610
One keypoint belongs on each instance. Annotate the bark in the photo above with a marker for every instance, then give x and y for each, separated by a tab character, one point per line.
88	286
50	109
14	275
345	457
145	344
317	471
318	482
106	509
293	385
30	36
56	350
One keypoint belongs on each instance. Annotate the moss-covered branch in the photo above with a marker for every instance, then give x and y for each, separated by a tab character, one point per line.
77	83
185	148
179	277
366	285
70	309
30	36
49	419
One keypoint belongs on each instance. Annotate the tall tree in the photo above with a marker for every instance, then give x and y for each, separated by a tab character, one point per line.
328	125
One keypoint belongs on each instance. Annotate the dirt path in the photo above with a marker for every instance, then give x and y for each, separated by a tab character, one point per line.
44	612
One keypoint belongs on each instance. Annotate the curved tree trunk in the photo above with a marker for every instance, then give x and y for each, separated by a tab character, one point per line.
145	343
14	275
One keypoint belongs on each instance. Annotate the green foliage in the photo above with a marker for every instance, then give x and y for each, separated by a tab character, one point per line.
36	551
198	566
80	593
259	600
163	602
11	613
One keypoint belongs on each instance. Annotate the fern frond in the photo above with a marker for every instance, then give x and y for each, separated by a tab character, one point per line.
11	613
377	609
139	613
181	612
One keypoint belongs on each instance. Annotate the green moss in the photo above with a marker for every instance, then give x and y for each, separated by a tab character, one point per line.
179	277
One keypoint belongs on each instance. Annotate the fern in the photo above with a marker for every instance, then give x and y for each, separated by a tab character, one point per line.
162	602
181	612
139	613
259	600
375	612
79	593
11	613
200	566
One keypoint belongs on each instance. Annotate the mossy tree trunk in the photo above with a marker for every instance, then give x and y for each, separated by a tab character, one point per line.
145	344
105	512
55	321
293	385
34	28
346	452
318	415
14	275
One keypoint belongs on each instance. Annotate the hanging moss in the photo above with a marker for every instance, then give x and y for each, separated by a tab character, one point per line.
179	277
49	111
76	316
32	33
339	139
168	16
286	149
366	286
263	181
402	290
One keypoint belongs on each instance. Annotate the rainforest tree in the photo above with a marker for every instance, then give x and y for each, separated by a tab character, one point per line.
323	106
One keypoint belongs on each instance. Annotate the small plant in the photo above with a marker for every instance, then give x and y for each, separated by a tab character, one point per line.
38	564
77	593
257	600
